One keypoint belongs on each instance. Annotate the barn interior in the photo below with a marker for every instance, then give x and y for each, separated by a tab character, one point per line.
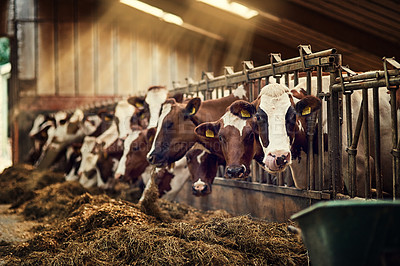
89	54
54	42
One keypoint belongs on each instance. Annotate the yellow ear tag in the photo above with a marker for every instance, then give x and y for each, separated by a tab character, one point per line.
142	116
193	111
138	105
107	118
245	113
306	111
151	139
209	133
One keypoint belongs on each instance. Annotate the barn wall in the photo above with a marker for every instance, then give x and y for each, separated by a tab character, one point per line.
71	53
89	48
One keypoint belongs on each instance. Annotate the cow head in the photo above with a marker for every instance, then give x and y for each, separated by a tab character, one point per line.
89	158
133	161
174	135
281	124
203	167
235	131
123	116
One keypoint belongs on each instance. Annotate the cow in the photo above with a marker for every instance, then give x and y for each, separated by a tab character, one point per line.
39	135
203	167
282	132
236	134
174	135
133	165
150	105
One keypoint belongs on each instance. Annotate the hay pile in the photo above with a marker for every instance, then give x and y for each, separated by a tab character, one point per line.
82	228
18	183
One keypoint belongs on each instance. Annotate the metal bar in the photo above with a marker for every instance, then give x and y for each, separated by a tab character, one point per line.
337	178
393	81
377	146
369	75
323	58
310	134
366	144
320	133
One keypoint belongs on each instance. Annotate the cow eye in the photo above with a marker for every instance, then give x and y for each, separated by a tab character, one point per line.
168	124
63	121
135	148
258	117
221	138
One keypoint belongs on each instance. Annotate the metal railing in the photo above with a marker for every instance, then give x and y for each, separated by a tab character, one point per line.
324	175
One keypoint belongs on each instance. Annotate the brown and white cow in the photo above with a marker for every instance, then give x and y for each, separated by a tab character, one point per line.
150	105
203	167
281	125
282	131
133	165
175	136
236	134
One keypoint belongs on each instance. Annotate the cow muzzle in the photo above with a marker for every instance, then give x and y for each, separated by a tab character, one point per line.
201	190
235	171
277	161
156	159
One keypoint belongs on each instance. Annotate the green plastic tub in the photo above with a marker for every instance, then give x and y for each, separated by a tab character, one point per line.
351	232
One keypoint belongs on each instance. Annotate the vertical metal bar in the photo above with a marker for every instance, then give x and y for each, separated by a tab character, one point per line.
352	151
395	145
310	135
320	133
350	159
366	144
335	129
309	76
377	147
287	79
296	78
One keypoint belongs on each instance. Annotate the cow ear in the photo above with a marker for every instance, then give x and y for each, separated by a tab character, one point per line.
137	101
178	97
192	107
170	101
208	130
242	109
298	93
308	105
151	132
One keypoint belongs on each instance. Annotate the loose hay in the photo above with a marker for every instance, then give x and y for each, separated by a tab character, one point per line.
86	229
17	183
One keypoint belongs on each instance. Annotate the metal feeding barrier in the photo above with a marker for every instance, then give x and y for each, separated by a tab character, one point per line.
324	177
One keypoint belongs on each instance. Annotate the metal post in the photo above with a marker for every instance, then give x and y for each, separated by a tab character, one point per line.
310	134
320	132
335	132
395	145
377	147
366	144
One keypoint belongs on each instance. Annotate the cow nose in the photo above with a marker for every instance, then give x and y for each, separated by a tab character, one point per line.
235	171
199	190
117	176
151	159
155	158
281	159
